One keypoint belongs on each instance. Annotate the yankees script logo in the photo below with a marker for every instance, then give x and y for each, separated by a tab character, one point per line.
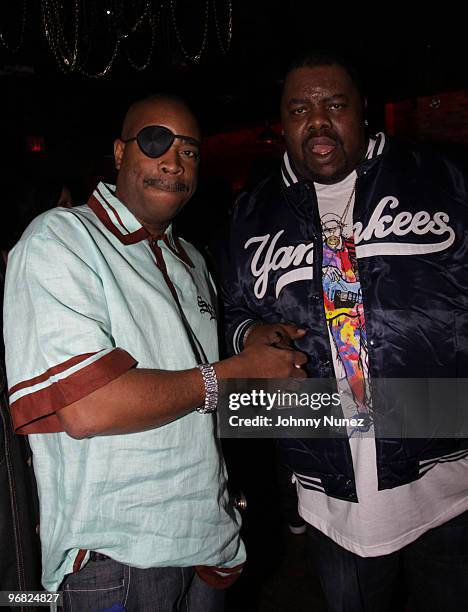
419	224
268	258
283	258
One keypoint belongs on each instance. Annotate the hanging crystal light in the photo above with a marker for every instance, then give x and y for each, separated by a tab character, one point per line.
66	28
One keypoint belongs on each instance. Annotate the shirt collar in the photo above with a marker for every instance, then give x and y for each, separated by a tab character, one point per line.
118	219
123	224
375	148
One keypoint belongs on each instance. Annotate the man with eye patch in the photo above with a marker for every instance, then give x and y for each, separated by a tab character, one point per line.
157	168
112	352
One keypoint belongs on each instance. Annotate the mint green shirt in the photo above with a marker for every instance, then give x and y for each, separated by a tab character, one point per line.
84	302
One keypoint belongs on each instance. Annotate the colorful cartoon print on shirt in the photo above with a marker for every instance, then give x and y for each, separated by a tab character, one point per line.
344	309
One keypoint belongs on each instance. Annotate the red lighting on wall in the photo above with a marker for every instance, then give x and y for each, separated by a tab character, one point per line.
35	144
441	117
231	155
390	118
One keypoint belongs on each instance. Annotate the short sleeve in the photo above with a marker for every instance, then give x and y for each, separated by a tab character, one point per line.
58	340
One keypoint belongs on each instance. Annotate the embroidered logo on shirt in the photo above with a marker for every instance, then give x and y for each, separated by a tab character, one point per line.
206	308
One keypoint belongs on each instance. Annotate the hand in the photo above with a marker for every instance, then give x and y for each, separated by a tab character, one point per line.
274	334
261	360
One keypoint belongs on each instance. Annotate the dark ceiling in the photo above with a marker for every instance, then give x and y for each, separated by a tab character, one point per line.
400	56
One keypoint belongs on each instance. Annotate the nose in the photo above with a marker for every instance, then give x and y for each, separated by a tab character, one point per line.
170	163
319	118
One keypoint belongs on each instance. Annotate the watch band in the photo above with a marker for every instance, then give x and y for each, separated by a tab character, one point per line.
210	381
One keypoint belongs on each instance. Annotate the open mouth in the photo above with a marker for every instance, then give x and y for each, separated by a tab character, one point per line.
165	185
322	146
322	149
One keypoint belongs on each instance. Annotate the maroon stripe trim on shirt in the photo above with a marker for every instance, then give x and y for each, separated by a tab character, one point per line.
79	560
102	214
211	575
162	266
36	412
58	369
117	216
179	250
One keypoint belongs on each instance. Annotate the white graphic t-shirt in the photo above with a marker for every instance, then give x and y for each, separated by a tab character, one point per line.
382	521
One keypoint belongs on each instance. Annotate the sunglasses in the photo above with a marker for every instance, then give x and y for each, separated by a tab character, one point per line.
155	140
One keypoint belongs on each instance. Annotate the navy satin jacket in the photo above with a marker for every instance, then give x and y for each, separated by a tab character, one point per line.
411	236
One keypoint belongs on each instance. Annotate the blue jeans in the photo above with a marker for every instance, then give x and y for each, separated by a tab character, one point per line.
435	567
104	583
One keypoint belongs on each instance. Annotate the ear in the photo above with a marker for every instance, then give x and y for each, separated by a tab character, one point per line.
119	148
364	106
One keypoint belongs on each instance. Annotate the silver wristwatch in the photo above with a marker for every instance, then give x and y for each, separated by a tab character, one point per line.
210	381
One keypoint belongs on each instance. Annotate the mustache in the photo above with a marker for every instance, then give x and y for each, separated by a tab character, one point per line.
323	134
165	184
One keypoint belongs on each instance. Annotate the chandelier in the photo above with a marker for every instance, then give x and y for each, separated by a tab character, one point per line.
74	29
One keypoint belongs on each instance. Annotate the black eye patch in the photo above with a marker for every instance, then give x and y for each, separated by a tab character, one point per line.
155	140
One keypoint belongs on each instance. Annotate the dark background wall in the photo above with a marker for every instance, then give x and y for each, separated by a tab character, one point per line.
413	67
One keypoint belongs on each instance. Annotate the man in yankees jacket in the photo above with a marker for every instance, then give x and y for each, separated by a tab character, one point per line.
362	243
